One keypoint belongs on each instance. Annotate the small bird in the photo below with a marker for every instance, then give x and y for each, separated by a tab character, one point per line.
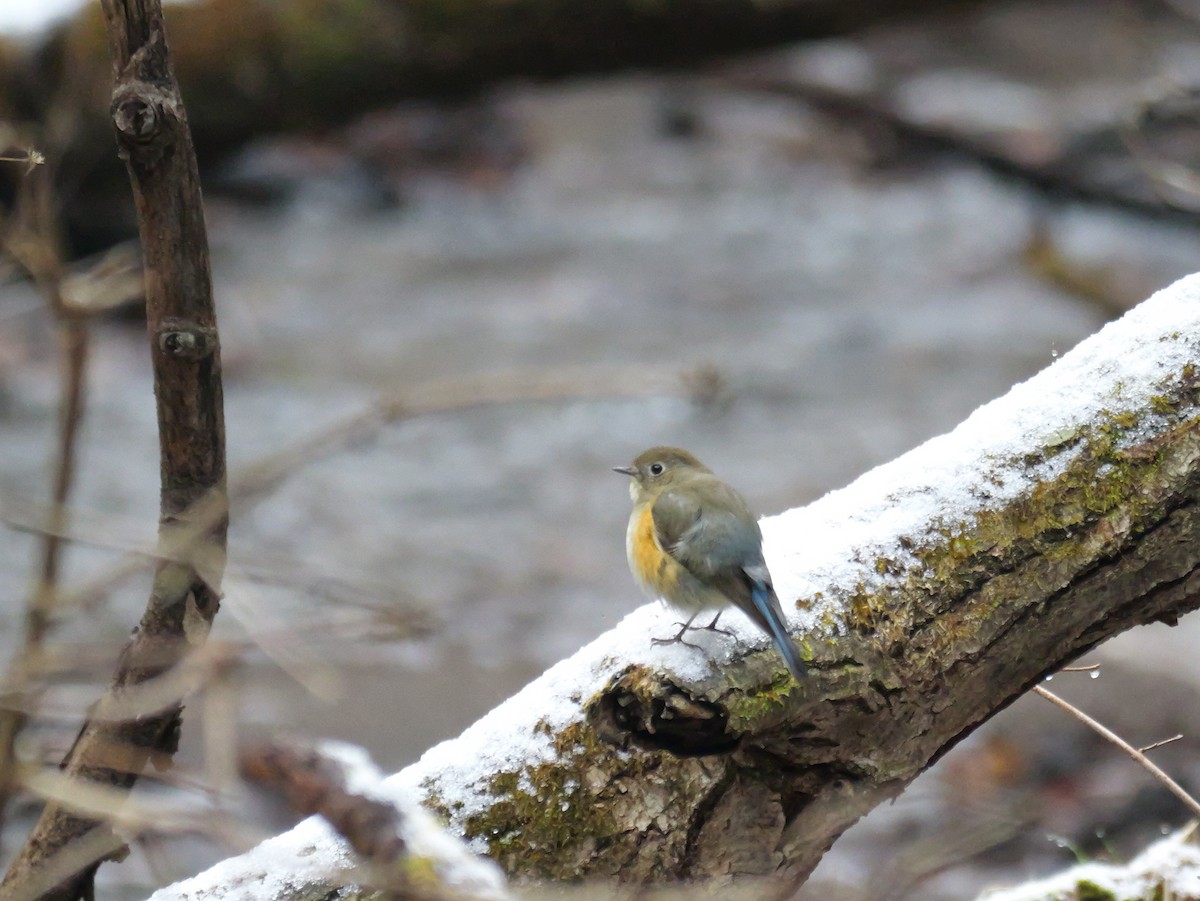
693	542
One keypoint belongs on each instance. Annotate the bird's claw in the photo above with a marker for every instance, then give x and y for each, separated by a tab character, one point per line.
712	627
678	638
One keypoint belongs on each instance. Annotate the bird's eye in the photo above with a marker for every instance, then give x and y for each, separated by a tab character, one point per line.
656	469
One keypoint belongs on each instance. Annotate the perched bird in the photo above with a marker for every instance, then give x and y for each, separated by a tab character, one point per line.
693	542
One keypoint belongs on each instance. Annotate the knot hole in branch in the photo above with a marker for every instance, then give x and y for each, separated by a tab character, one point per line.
145	117
638	708
186	341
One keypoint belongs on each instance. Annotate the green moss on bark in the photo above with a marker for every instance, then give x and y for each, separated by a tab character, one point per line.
542	809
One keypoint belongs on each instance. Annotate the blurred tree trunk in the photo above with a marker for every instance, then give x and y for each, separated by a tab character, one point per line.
251	65
248	67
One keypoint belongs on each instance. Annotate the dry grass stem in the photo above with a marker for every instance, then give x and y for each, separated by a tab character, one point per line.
32	240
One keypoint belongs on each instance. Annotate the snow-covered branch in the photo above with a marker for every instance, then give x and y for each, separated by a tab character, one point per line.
367	833
925	596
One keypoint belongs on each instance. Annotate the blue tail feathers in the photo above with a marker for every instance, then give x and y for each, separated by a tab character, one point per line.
766	604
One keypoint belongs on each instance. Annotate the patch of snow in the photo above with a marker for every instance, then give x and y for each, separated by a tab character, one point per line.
1173	863
280	867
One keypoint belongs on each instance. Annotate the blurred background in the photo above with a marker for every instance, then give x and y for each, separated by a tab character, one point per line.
795	237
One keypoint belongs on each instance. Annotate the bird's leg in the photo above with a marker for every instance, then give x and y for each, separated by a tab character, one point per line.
712	627
678	637
683	627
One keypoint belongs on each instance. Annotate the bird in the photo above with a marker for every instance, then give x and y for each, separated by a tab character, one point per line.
693	542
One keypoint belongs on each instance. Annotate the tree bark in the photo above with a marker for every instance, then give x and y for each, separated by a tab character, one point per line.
154	140
929	595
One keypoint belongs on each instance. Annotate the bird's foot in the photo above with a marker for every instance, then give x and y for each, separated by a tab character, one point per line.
678	638
712	627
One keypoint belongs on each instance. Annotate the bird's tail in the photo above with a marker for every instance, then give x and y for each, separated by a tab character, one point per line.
768	605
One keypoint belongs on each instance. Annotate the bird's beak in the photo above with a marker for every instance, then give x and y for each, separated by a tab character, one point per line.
625	470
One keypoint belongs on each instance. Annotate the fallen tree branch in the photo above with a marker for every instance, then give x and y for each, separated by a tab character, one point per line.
1063	179
926	596
153	137
323	64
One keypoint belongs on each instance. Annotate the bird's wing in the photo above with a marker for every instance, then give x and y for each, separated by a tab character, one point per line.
708	529
675	513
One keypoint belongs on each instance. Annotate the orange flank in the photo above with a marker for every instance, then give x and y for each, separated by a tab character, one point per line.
657	569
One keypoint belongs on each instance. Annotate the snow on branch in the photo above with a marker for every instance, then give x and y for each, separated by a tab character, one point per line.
925	596
1168	869
399	851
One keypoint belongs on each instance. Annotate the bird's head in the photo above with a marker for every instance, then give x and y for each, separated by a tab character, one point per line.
654	470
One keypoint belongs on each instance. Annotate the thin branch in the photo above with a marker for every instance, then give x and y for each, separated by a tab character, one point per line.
33	241
132	815
154	140
473	392
1172	786
313	781
32	158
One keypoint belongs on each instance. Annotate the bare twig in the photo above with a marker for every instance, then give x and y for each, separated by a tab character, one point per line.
466	393
256	481
1172	786
201	669
139	819
1159	744
32	158
132	815
33	241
